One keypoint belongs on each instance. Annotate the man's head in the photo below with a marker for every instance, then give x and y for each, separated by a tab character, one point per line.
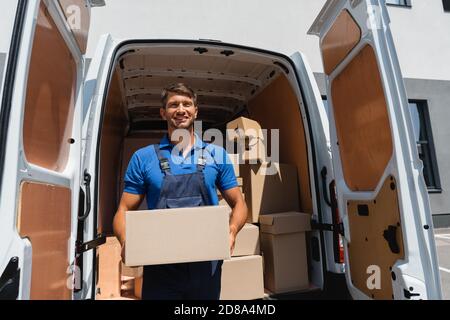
179	106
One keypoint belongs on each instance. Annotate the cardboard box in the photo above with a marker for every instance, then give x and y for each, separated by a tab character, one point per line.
223	202
247	242
242	279
132	272
138	287
109	278
283	245
268	193
249	136
177	235
243	127
236	161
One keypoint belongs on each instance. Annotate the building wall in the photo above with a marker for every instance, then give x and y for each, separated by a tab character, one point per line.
275	25
437	94
280	26
7	17
421	42
2	64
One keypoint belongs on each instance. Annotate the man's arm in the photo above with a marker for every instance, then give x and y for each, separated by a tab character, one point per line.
238	218
129	202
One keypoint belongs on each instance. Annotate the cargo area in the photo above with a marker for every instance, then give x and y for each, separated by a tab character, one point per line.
230	84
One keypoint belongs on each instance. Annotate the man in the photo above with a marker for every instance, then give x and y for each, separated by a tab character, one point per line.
173	175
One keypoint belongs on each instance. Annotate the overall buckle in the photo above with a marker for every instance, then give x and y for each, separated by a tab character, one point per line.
165	166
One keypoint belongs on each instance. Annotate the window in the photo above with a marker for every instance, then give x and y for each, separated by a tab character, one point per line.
425	145
446	4
404	3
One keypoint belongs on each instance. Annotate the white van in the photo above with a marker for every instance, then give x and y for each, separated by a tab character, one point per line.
66	138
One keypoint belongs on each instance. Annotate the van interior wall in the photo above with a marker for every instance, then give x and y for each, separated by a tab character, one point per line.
133	142
112	138
277	107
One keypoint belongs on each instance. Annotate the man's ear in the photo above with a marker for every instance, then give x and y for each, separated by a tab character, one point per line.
162	112
196	112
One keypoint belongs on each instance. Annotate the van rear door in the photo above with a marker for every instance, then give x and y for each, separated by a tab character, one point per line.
41	149
382	197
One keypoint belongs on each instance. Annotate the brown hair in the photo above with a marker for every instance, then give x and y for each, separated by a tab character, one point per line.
178	88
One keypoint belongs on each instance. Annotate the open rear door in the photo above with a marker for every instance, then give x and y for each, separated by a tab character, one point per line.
382	197
41	150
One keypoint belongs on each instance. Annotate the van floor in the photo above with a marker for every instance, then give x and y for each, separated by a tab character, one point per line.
336	290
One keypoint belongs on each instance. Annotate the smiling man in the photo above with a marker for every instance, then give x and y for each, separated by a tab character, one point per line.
179	173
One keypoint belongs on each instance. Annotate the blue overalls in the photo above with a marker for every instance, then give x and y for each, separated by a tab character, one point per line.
184	281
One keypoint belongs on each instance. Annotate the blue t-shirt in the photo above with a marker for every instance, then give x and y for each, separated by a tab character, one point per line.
144	175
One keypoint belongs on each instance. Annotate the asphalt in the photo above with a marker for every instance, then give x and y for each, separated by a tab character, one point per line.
442	237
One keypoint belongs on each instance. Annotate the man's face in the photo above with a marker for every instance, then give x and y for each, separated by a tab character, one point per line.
180	112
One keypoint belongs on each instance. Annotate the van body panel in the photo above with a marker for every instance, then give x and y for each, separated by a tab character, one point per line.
392	254
44	219
27	234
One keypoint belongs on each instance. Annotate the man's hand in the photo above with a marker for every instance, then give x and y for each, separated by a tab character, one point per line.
238	215
129	202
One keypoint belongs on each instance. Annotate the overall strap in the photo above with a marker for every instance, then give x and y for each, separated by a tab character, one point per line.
201	164
163	162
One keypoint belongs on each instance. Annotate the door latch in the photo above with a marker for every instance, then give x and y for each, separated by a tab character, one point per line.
85	247
339	227
87	184
409	294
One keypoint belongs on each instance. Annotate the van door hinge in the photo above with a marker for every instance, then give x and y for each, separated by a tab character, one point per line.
328	227
85	247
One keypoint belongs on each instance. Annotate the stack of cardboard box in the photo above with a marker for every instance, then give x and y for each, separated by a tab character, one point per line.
283	244
115	280
272	196
242	276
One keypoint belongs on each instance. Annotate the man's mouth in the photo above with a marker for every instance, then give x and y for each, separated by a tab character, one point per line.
181	120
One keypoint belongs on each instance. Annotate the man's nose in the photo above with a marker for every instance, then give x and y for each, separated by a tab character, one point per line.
181	107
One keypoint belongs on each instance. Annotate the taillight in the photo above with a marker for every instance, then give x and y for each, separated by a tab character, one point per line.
338	242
